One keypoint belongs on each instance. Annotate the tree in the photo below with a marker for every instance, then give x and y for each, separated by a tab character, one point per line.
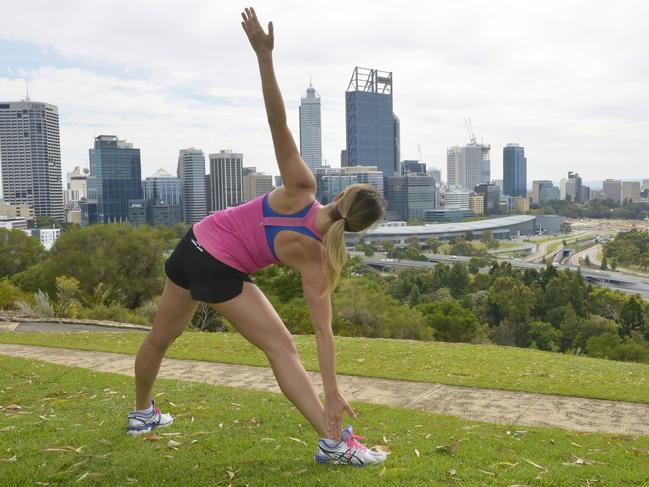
387	246
126	258
468	235
587	260
631	318
451	322
603	265
458	279
433	244
486	237
565	227
543	336
412	241
413	222
18	251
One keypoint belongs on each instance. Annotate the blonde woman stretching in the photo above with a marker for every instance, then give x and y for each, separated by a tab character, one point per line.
212	262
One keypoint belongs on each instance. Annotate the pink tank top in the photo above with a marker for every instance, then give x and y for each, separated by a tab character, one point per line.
237	236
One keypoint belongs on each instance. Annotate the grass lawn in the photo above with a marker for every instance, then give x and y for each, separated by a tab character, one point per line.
487	366
65	425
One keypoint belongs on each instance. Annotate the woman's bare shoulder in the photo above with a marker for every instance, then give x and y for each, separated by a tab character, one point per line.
290	200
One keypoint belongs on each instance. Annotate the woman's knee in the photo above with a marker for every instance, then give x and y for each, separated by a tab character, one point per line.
281	346
162	340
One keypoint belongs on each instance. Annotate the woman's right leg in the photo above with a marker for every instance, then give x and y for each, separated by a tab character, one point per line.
255	318
174	313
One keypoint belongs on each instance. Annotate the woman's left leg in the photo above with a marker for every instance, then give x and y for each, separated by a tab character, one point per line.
255	318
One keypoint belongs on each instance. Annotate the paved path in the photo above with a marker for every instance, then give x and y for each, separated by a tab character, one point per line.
505	407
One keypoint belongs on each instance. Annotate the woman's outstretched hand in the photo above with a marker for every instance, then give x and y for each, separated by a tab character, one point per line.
261	42
334	407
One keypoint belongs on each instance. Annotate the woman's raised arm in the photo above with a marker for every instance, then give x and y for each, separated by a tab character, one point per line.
295	173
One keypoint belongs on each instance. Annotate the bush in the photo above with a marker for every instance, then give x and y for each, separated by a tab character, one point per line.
40	308
113	312
207	319
149	309
543	336
610	346
451	322
9	294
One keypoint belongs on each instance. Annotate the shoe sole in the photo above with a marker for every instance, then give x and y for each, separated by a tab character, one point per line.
148	430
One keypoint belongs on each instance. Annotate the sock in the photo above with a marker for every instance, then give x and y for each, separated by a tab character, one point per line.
145	411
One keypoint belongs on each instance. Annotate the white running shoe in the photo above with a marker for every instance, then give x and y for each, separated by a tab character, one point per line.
140	423
348	451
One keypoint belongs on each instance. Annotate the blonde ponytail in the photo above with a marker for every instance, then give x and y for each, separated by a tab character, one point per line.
335	253
360	206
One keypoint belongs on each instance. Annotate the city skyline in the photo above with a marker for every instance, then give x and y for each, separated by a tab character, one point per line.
575	95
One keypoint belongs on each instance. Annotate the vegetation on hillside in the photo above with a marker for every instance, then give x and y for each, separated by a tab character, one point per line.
629	249
593	209
116	272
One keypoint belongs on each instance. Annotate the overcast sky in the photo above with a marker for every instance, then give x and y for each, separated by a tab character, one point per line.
567	79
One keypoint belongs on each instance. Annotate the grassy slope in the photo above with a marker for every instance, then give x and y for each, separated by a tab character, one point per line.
492	367
79	416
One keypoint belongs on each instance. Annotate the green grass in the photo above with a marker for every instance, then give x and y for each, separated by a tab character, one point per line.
488	366
70	429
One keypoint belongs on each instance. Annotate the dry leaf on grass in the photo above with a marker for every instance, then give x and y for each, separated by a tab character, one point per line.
151	437
447	449
486	472
173	444
12	407
452	472
293	473
298	440
387	449
230	474
535	464
417	453
383	470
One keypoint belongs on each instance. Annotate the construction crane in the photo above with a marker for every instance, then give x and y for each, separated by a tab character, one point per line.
469	128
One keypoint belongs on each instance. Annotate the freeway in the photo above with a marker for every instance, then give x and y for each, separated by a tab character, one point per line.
614	280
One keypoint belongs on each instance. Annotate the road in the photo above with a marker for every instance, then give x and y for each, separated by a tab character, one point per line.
613	280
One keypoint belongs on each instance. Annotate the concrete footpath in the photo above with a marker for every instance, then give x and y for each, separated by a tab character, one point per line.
497	406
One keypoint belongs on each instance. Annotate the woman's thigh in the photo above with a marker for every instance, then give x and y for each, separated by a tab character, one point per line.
174	313
255	318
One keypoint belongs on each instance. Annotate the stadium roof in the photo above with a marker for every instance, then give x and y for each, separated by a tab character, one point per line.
460	227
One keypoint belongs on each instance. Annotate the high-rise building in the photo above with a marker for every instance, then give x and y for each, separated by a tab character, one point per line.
631	190
115	177
645	184
77	186
477	165
396	130
255	184
30	156
468	166
549	193
514	170
413	167
163	187
310	129
163	199
372	126
571	188
476	204
435	173
409	197
226	185
612	189
331	181
455	166
537	187
491	194
191	172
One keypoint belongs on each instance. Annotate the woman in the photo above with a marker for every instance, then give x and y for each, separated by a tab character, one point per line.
213	260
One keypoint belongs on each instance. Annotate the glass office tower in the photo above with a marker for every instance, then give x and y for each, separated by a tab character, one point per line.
115	178
514	170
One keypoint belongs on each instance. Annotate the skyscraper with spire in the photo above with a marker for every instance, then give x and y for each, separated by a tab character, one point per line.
310	129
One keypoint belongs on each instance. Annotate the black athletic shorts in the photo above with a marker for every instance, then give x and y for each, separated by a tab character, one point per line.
207	278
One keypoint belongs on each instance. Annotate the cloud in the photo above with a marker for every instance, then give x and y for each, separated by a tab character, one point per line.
567	79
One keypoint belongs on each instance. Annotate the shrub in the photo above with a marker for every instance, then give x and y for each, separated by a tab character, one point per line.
543	336
113	312
40	308
9	294
610	346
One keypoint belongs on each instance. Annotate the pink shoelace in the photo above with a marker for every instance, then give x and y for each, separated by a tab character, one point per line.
352	442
